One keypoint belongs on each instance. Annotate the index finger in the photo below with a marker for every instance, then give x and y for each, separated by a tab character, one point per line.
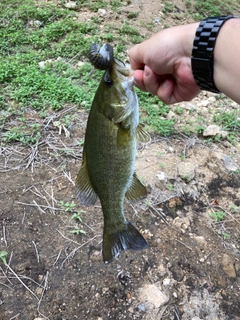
136	58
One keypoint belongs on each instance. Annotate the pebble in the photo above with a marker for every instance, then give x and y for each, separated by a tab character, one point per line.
153	296
171	115
35	23
203	103
102	13
166	282
214	130
142	307
162	176
186	170
200	241
229	163
70	5
228	267
80	64
190	106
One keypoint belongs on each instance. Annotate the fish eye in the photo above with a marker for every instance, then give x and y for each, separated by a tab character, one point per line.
108	82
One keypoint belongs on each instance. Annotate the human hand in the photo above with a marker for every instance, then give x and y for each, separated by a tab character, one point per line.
162	64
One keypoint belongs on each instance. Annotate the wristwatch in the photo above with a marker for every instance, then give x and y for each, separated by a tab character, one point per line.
202	52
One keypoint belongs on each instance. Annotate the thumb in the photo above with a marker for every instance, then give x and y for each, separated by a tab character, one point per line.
165	91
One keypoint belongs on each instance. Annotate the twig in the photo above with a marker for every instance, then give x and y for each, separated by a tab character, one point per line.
41	210
5	276
39	205
6	285
59	254
36	251
183	244
69	177
72	253
176	314
160	214
24	214
15	316
14	273
4	236
44	289
80	245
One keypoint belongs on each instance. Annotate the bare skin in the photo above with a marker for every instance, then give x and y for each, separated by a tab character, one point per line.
162	63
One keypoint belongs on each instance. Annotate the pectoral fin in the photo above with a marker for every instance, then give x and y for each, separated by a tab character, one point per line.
141	135
85	192
137	190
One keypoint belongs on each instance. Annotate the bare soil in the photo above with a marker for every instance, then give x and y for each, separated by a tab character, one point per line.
191	263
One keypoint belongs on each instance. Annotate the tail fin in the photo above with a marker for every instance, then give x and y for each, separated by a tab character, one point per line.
114	244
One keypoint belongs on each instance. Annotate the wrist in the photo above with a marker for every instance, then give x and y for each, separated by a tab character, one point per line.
202	60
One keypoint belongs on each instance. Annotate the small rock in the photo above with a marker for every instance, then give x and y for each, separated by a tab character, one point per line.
35	23
142	307
203	103
102	13
104	290
80	64
186	170
190	106
161	179
221	281
152	295
212	99
166	282
228	267
42	64
229	163
200	240
224	134
177	273
171	115
162	270
212	130
70	5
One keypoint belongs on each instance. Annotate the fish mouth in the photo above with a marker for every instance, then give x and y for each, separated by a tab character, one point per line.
124	72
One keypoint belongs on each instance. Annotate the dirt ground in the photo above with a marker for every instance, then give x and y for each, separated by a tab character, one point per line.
190	271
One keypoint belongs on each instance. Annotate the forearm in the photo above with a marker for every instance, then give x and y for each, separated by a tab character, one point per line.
227	59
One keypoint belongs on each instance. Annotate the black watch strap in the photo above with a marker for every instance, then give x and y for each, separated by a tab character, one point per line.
202	53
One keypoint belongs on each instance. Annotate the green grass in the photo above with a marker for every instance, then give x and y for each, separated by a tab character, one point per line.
200	9
37	31
153	114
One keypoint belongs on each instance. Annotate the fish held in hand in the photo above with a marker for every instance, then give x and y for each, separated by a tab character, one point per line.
107	170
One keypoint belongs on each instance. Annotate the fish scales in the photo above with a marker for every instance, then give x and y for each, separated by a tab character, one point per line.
107	170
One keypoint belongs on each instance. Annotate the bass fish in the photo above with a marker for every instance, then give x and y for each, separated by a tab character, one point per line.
107	170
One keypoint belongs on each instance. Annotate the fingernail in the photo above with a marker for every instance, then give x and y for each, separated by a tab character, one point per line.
165	84
146	71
